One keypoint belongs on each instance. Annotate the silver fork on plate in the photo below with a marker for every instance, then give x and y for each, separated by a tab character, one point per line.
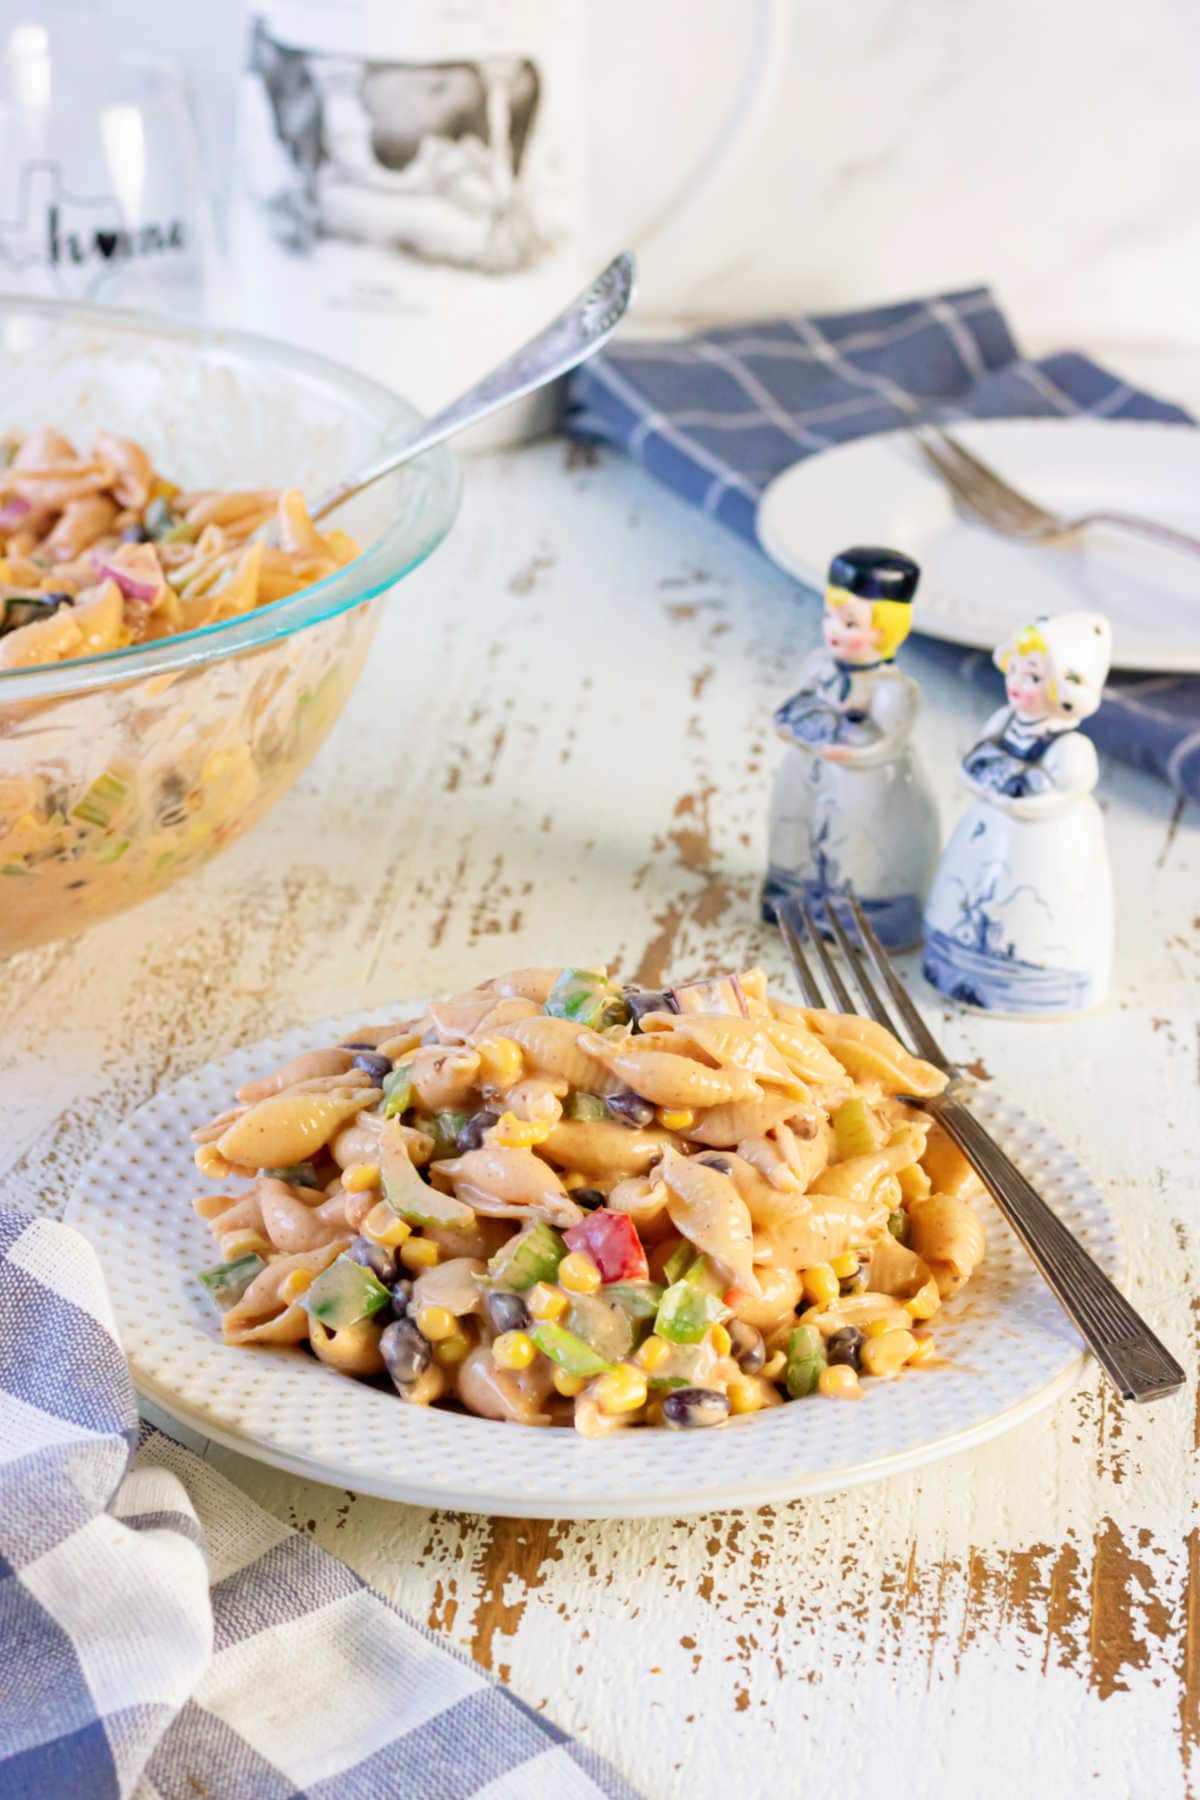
984	493
1137	1364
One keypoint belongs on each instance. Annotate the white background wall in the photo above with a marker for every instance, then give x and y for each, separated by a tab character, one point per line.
1051	147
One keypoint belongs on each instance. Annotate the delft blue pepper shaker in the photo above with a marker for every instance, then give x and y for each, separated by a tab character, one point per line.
852	806
1020	917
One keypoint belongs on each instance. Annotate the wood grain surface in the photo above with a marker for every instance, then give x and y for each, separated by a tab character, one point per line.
561	750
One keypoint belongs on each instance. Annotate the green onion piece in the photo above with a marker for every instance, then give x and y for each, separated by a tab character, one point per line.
585	1106
898	1225
227	1282
114	851
301	1174
397	1091
588	998
805	1360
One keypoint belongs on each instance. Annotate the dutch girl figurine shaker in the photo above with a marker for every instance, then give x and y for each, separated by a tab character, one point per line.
1020	918
852	807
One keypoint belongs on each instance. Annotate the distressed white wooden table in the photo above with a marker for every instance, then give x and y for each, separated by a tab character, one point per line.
561	751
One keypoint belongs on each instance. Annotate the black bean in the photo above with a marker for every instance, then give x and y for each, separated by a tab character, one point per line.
721	1164
471	1135
845	1346
377	1257
686	1408
405	1352
135	534
748	1347
588	1198
373	1064
402	1292
647	1000
630	1109
357	1044
505	1311
60	597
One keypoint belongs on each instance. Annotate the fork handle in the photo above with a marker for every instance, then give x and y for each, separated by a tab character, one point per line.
1150	528
1137	1364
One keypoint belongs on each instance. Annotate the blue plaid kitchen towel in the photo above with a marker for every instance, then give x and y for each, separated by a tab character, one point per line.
163	1637
717	416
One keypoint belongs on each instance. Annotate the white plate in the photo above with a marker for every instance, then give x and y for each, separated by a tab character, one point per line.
1012	1353
976	585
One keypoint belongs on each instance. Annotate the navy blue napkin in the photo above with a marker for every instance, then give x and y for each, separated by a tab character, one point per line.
717	416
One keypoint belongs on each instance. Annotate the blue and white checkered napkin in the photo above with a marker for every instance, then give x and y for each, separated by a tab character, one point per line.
716	417
161	1635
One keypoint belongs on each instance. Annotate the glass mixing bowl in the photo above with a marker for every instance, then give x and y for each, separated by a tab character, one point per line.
120	773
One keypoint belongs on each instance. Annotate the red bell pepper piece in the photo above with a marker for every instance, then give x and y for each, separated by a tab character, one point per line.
612	1242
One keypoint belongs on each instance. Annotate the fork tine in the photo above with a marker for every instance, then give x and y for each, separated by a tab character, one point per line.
858	969
1019	502
971	492
810	987
841	992
920	1036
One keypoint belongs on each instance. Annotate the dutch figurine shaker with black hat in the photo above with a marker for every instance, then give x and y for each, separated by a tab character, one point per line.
852	808
1020	916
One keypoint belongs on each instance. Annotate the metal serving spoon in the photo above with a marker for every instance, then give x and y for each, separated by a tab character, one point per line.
577	333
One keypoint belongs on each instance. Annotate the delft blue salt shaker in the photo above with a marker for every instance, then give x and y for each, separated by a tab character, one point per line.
1020	917
852	806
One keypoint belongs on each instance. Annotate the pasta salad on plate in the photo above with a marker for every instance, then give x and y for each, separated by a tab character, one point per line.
552	1200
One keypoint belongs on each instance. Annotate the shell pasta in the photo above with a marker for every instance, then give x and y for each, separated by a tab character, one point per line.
555	1201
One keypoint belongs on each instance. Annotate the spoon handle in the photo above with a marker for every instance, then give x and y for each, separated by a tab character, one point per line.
567	341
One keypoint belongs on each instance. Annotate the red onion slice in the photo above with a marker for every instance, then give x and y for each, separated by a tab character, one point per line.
130	586
12	512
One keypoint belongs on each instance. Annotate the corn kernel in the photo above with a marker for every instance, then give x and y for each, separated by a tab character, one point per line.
501	1061
244	1243
546	1302
676	1118
419	1253
210	1162
512	1350
511	1133
820	1284
895	1320
839	1382
569	1385
654	1352
578	1273
622	1390
884	1355
924	1350
293	1285
745	1395
451	1350
436	1322
360	1176
845	1266
925	1301
383	1227
720	1340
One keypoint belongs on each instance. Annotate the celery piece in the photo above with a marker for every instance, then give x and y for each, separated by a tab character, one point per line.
585	1106
301	1174
443	1127
228	1281
805	1360
605	1328
678	1263
588	998
897	1224
102	801
14	869
114	851
397	1091
640	1299
686	1312
567	1350
532	1256
343	1294
854	1130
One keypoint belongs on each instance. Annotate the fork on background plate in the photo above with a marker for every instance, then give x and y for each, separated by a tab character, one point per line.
1137	1364
984	494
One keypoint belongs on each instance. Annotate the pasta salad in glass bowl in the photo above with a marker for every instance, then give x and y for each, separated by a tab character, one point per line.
552	1200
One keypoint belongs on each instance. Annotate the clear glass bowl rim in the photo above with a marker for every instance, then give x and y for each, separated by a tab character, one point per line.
396	552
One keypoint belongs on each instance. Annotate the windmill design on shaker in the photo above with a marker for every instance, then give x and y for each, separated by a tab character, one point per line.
1020	917
852	806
